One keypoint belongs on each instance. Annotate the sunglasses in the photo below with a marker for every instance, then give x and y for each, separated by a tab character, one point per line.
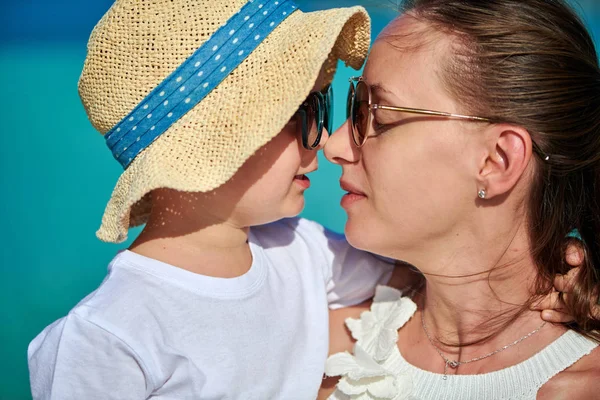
315	113
359	109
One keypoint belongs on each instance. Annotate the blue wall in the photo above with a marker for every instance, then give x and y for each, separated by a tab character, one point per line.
54	196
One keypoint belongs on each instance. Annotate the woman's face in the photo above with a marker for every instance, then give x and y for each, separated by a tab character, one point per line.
412	184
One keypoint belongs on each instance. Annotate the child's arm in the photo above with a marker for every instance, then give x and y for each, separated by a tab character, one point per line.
76	359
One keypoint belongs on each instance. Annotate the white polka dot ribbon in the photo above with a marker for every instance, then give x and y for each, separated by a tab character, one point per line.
196	77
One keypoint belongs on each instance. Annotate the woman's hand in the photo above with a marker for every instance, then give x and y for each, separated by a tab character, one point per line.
553	306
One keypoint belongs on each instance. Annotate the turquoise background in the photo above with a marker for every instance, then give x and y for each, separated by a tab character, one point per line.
54	195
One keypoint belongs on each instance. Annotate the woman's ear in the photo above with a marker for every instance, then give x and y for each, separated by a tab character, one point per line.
508	152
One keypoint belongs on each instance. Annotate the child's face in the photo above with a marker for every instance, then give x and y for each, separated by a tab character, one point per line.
273	181
270	185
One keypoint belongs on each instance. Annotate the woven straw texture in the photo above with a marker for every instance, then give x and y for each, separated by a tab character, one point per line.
137	43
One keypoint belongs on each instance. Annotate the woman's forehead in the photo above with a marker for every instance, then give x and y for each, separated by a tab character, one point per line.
409	61
408	32
403	24
411	30
408	44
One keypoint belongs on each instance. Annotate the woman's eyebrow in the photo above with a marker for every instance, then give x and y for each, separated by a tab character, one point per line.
379	90
378	87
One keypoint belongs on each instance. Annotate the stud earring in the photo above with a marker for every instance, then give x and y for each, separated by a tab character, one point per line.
481	193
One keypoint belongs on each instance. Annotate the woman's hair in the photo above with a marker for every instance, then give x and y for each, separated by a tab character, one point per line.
532	63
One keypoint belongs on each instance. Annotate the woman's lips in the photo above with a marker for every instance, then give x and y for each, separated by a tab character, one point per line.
352	196
302	180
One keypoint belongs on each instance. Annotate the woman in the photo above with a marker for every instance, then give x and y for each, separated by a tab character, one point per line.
481	195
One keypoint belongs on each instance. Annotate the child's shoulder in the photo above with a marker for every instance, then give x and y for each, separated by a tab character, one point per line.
119	298
111	313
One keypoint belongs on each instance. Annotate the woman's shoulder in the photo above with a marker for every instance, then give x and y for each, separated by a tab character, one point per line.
580	381
350	324
340	340
389	311
373	336
360	328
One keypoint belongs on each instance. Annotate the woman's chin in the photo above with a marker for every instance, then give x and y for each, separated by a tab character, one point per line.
356	235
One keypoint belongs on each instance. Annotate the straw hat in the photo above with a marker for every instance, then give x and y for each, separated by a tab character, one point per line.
138	43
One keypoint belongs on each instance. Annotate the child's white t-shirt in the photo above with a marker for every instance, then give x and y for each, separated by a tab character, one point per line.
152	330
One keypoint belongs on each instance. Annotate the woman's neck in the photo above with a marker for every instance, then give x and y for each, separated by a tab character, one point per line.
480	321
475	294
459	307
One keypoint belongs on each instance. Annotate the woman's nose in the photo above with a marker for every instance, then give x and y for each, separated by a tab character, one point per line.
340	148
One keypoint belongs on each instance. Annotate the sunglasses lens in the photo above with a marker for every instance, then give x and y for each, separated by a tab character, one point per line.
350	100
360	113
300	123
314	123
328	109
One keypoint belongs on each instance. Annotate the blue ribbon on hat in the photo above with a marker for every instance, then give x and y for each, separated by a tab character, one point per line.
196	77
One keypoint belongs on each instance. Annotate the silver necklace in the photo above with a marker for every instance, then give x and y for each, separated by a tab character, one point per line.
455	363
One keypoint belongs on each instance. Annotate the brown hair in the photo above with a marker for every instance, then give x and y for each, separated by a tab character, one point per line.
532	63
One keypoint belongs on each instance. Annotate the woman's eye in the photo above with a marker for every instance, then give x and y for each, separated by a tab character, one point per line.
384	121
380	128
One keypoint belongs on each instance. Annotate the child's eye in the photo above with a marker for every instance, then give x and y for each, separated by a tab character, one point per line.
293	122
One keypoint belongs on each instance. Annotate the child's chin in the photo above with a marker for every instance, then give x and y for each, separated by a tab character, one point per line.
294	208
288	210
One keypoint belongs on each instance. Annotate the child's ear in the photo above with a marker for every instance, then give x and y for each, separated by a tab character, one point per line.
506	158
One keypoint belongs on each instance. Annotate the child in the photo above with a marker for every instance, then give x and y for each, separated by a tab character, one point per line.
213	299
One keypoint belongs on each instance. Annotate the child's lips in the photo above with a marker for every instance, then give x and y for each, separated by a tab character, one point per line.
302	180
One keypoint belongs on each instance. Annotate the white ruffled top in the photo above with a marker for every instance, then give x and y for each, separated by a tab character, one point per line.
377	369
